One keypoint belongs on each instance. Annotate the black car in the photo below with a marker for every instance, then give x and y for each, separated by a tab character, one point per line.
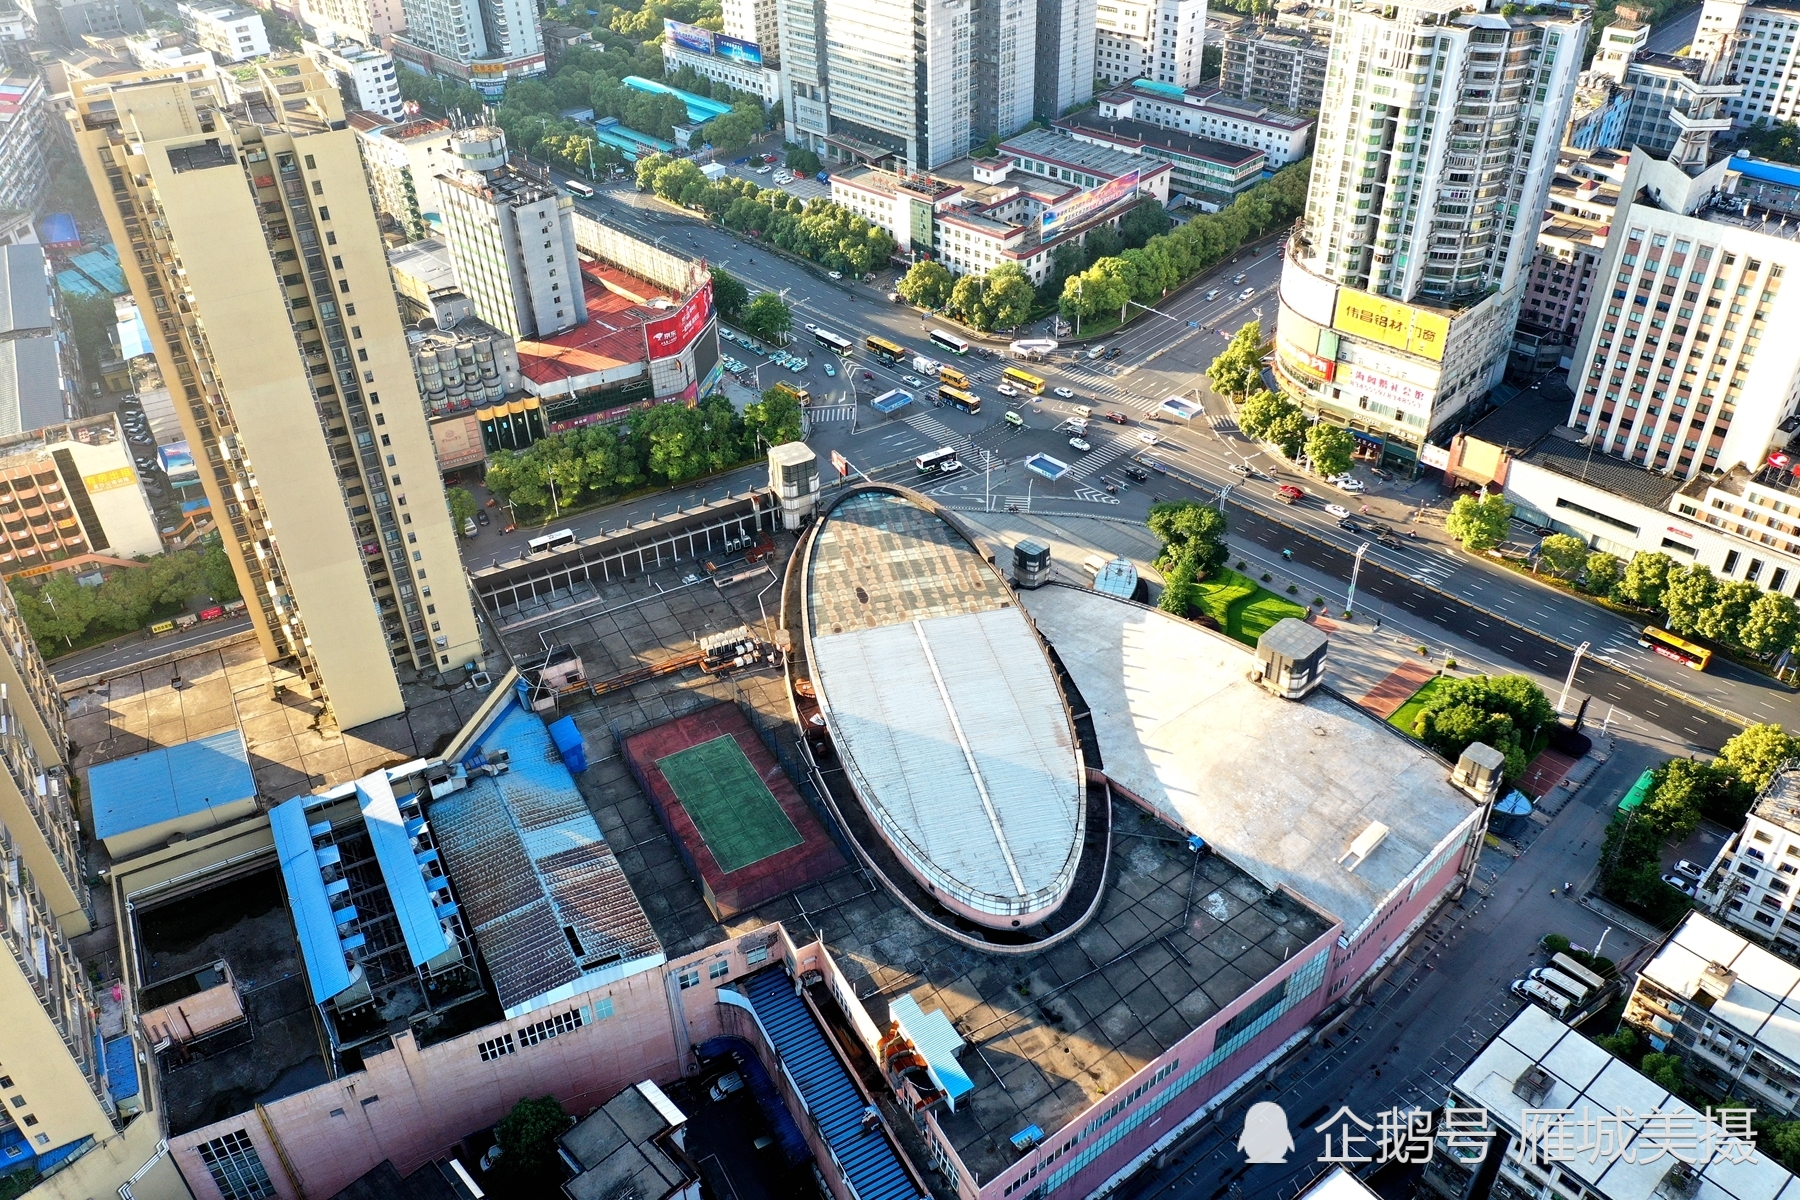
1113	352
481	515
1138	473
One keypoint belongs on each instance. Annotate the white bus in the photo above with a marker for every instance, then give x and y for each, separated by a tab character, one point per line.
1572	988
1575	970
579	188
833	341
949	341
941	461
551	541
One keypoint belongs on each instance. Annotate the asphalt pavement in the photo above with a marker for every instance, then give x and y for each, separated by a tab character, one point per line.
124	653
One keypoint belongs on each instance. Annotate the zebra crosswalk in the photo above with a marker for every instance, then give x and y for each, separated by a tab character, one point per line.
972	455
822	413
1101	456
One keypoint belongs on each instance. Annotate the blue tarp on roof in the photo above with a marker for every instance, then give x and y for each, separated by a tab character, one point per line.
121	1069
102	266
77	284
171	781
58	229
874	1169
400	870
938	1041
1768	172
307	902
134	339
569	745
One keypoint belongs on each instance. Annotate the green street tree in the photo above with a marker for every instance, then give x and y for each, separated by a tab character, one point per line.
1178	586
1756	753
729	294
1603	572
1562	555
462	505
1723	620
800	159
927	284
527	1137
1690	592
776	418
1646	578
1503	711
1479	524
1189	532
767	316
1238	368
1289	431
966	300
1330	448
1770	628
1259	412
1009	297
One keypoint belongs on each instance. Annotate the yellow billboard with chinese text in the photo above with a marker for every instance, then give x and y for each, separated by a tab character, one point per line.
1391	323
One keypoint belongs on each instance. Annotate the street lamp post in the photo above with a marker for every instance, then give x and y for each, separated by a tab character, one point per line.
1569	682
1355	570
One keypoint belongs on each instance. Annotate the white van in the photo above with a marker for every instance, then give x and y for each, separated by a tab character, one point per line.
1531	989
1573	988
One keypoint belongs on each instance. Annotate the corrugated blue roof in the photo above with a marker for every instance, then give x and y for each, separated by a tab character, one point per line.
869	1159
170	781
102	266
77	284
938	1041
1769	172
307	902
413	908
121	1068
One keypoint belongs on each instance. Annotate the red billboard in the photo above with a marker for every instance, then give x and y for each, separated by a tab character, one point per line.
668	336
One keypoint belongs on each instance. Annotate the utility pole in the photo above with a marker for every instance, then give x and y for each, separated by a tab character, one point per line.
1355	569
1570	681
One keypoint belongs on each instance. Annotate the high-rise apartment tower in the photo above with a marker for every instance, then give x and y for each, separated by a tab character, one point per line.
250	242
1435	149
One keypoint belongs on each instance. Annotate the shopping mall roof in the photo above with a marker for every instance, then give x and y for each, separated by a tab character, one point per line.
549	906
943	705
1281	788
611	338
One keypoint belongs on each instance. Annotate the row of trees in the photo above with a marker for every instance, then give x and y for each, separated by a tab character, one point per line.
827	233
1193	538
1166	260
1268	417
663	445
1001	299
62	614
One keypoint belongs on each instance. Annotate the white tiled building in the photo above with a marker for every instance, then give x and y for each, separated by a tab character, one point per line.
1283	137
1160	40
369	71
1751	885
1758	41
232	33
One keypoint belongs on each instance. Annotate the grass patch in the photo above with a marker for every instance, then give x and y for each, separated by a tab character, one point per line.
1408	713
1242	608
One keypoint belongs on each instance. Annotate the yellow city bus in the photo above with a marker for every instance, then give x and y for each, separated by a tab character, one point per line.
957	398
953	377
885	350
1023	379
1661	641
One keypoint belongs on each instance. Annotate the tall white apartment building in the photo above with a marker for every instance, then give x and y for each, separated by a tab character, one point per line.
1756	42
906	80
754	21
1435	151
370	22
485	42
512	238
232	32
1674	370
368	71
1065	56
1160	41
1753	885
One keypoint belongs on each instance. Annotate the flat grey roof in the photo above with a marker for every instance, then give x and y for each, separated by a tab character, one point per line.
31	384
1067	151
1280	787
1603	471
24	290
943	705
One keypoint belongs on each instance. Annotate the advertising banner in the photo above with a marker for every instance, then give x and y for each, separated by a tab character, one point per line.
1362	381
688	37
1073	211
668	336
106	481
1307	294
737	50
1391	323
1435	456
1303	363
457	440
178	463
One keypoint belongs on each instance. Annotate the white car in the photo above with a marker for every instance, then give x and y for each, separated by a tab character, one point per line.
912	381
1680	884
1247	293
1080	444
1007	389
835	274
811	328
1337	510
1065	393
1213	295
1148	438
1240	277
1351	484
784	177
764	169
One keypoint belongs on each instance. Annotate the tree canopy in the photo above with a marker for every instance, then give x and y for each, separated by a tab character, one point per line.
1504	711
1479	524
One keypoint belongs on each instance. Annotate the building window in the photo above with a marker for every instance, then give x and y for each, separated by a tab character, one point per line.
689	978
719	969
235	1167
496	1048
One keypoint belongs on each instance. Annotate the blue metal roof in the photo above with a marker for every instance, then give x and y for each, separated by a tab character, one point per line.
938	1041
1766	171
311	910
170	781
869	1160
413	908
121	1068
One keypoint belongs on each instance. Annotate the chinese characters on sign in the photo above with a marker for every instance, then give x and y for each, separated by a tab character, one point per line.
1412	1135
1391	323
1393	391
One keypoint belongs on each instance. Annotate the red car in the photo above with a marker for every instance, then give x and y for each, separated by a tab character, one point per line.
1118	418
212	614
1287	493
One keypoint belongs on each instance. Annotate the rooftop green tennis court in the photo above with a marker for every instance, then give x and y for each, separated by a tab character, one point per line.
737	815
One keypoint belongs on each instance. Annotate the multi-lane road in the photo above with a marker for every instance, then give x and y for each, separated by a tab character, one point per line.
1162	354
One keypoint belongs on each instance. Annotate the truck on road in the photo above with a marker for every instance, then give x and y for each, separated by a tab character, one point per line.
926	366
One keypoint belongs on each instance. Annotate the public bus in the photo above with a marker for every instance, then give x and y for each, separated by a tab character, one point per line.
959	399
832	341
949	341
1661	641
1023	379
578	187
885	350
938	462
551	541
1575	970
953	377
